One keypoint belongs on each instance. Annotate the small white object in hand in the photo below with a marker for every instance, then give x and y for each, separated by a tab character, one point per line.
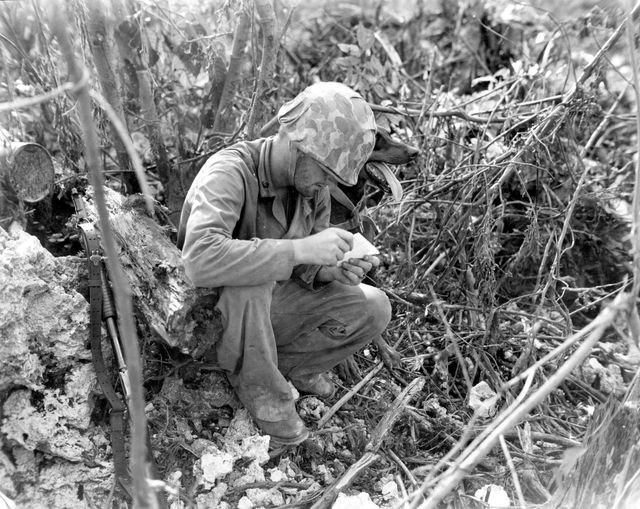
361	248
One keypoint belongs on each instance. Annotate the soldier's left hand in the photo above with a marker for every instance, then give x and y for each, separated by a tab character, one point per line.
354	270
351	272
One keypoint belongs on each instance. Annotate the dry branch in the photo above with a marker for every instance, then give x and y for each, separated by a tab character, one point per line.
635	231
233	77
267	20
375	442
123	135
134	50
42	98
100	35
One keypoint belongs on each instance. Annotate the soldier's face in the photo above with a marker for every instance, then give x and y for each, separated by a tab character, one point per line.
309	176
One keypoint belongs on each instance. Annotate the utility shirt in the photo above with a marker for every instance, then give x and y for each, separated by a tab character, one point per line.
234	230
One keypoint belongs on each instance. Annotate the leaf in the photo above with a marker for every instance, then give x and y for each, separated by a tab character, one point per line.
365	38
389	177
391	52
350	49
376	67
346	62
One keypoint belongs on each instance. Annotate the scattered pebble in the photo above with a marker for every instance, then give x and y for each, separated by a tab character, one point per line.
359	501
214	464
493	496
483	400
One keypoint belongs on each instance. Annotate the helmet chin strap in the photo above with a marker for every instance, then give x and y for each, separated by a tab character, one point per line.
293	159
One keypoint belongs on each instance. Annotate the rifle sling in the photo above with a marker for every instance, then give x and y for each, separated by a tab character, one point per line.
116	417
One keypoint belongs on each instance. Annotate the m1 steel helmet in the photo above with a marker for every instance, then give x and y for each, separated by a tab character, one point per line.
334	125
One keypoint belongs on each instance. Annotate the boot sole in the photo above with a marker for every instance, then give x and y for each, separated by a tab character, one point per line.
278	441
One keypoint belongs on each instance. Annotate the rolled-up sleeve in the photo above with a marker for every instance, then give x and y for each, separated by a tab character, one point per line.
211	256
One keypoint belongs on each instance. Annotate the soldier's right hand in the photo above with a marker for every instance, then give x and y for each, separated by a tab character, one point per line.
325	248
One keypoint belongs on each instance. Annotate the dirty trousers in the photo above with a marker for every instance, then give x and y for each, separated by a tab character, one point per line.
280	329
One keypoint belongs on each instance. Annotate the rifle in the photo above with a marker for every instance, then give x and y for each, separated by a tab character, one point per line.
102	308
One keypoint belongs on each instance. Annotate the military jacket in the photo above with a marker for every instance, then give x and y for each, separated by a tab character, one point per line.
234	230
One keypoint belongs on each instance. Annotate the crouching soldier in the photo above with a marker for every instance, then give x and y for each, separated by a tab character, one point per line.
255	223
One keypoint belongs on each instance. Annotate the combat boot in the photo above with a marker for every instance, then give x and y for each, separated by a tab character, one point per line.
291	431
319	384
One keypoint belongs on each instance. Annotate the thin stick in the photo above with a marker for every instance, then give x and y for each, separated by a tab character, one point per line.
635	234
375	442
234	70
33	101
451	336
122	132
595	135
403	467
553	353
354	390
512	469
267	21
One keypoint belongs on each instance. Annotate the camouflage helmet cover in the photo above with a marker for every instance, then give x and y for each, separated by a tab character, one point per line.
334	125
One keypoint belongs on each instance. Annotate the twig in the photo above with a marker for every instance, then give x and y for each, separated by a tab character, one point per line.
553	353
452	337
99	30
122	132
38	99
233	72
448	113
512	469
354	390
546	437
402	466
555	265
267	21
375	442
635	233
595	135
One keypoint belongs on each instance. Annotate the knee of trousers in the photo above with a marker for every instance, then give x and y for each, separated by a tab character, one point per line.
378	309
239	299
244	293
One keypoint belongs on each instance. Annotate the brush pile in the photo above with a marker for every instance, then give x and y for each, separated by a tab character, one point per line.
513	232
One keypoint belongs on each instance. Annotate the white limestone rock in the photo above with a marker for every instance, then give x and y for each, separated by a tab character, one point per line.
213	465
43	319
265	498
359	501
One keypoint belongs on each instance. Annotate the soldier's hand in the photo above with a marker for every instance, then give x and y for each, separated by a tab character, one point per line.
351	272
324	248
357	268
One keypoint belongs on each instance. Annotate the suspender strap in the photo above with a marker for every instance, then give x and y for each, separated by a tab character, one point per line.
353	223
